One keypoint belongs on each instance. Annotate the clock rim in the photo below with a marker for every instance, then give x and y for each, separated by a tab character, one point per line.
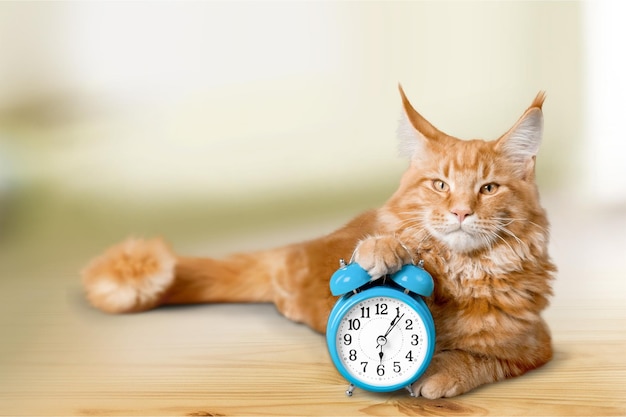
346	302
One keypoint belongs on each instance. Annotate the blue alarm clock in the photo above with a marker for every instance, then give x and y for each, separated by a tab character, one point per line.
380	333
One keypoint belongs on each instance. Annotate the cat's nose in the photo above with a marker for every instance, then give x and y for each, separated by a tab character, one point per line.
461	213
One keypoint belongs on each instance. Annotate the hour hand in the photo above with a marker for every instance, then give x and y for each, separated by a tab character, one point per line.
382	341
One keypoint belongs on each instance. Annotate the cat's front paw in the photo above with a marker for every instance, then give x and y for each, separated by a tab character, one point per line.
452	373
438	384
381	255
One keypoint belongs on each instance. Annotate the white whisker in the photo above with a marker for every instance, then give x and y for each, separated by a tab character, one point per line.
508	232
506	243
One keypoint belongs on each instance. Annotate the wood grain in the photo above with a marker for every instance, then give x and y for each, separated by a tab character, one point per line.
247	360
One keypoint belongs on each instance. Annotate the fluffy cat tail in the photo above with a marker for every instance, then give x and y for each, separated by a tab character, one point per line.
139	274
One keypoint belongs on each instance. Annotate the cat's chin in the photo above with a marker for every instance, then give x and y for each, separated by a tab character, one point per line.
461	241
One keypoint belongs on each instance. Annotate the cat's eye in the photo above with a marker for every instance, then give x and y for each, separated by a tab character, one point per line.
489	189
439	185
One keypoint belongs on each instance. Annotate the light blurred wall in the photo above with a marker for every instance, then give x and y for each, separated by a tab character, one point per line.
227	98
604	170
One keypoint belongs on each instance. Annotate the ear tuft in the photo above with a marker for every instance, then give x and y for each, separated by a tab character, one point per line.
538	101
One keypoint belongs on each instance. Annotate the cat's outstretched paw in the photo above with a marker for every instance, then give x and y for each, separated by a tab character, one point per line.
131	276
451	373
381	255
438	385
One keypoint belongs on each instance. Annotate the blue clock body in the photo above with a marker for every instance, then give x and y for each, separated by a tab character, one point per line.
380	333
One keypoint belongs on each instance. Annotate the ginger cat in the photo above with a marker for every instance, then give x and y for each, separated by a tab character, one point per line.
469	209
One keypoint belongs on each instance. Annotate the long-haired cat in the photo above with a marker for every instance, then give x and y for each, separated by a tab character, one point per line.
469	209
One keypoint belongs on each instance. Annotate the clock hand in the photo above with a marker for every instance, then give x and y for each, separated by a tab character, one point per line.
393	324
382	340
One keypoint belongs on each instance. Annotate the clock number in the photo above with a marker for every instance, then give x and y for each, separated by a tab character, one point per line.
409	324
365	312
414	339
409	356
396	367
352	356
381	309
380	370
347	339
364	365
354	324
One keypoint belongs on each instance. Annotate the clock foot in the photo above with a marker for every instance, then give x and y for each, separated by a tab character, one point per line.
410	389
349	390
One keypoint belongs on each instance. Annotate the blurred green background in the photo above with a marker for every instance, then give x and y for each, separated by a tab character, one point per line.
202	120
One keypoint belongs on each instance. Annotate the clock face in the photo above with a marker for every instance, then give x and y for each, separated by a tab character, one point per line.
383	342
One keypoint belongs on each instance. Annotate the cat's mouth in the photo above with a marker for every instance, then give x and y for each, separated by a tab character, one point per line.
463	241
461	237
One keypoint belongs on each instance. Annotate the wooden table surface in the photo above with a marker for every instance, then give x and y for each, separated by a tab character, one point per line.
58	356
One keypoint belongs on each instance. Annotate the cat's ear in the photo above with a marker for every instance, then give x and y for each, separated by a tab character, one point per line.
414	132
521	143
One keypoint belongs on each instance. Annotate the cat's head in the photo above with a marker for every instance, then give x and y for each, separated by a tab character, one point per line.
470	194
